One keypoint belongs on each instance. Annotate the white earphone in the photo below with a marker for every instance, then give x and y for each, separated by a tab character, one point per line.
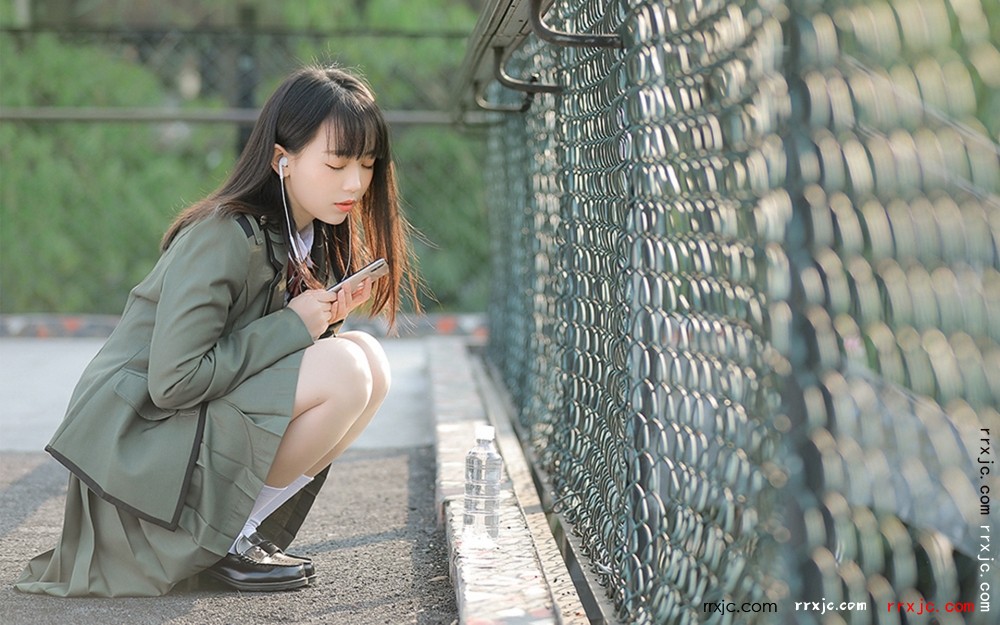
298	251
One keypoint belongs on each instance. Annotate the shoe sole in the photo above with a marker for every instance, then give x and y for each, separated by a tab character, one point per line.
260	586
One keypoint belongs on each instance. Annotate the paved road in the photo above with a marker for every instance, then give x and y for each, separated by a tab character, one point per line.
380	555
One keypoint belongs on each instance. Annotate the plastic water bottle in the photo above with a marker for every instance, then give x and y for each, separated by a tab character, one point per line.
483	466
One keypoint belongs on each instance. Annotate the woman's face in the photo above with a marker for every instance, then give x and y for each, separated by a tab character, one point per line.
323	184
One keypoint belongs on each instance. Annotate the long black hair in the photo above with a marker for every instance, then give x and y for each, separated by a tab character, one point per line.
298	109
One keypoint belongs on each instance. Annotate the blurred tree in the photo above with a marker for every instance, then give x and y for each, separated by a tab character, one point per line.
82	206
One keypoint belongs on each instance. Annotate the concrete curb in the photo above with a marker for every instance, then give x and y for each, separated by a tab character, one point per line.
510	581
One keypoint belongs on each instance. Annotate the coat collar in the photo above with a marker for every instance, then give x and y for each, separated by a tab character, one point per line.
277	253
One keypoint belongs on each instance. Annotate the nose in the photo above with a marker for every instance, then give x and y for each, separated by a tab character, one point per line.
352	179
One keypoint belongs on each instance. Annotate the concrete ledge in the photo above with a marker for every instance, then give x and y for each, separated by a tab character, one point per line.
510	582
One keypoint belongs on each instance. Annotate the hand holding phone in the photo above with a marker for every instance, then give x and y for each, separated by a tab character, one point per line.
375	270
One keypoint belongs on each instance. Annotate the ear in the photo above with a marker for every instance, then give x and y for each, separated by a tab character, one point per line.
277	155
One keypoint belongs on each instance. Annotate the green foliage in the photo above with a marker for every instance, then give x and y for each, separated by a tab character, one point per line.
83	206
441	183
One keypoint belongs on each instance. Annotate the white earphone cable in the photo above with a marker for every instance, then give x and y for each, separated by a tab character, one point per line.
293	248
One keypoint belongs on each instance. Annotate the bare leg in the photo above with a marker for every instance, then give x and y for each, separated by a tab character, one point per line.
342	382
334	389
381	375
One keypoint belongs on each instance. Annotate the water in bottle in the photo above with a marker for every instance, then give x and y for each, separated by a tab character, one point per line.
483	467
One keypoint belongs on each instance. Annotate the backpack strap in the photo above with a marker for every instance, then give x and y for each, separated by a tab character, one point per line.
244	221
254	230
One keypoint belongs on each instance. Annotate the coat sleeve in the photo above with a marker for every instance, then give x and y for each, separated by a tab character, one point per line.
190	360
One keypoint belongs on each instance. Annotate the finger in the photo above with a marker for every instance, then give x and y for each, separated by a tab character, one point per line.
337	311
363	291
322	295
346	297
338	302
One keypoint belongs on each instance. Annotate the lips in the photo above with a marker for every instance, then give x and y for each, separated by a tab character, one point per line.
345	206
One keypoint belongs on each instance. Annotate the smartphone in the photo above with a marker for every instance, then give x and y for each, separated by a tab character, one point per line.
375	270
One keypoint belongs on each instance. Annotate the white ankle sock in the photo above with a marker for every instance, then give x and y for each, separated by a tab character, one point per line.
269	500
287	493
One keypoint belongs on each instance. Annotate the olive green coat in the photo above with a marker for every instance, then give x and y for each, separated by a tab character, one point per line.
173	426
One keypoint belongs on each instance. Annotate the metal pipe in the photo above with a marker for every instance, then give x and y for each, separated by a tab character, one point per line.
193	116
576	40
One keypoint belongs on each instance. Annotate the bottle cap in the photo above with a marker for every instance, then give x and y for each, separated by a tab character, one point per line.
485	433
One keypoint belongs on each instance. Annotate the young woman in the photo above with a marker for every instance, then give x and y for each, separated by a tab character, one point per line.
200	434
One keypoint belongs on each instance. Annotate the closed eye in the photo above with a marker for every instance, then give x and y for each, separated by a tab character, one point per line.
366	164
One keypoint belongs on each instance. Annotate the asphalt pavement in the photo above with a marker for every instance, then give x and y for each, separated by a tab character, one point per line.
374	535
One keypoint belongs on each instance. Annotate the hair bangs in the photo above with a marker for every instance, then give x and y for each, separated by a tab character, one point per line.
358	131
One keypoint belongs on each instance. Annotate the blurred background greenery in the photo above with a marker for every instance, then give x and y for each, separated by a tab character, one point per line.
83	204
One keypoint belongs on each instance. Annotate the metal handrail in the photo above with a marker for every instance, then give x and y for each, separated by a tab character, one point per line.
502	24
194	116
502	27
576	40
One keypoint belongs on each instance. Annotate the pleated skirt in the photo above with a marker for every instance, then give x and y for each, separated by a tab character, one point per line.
105	551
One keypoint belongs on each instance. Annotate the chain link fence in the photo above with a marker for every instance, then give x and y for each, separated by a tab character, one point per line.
747	304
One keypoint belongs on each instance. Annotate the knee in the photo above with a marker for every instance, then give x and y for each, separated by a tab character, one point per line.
378	362
349	378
